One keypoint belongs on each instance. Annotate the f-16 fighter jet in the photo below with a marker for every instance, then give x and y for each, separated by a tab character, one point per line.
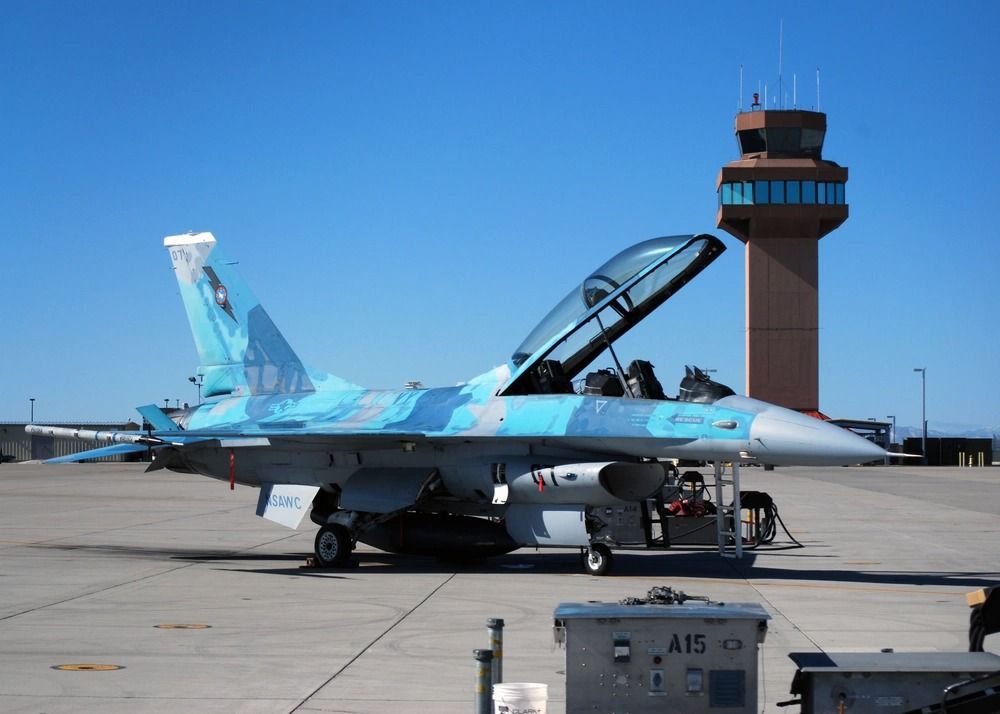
531	453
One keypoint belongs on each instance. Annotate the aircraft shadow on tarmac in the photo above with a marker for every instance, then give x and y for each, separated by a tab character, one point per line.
690	564
165	553
756	565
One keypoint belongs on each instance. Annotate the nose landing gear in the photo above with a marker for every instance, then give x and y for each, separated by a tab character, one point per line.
597	559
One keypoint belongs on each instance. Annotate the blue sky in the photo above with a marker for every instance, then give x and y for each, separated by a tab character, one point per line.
409	187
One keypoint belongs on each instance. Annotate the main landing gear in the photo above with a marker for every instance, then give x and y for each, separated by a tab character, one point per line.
333	546
597	559
335	543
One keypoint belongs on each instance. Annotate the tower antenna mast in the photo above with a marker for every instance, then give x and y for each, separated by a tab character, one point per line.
781	41
741	90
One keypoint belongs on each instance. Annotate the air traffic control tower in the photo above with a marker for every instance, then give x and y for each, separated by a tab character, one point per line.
780	197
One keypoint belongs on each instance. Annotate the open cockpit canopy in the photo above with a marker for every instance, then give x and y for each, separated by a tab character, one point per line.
607	304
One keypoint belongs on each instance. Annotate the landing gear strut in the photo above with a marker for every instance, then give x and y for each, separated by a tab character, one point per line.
597	559
333	546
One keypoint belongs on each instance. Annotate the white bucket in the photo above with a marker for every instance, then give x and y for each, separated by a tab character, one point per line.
520	698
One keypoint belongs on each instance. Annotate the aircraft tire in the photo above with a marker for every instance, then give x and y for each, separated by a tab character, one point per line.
597	560
333	546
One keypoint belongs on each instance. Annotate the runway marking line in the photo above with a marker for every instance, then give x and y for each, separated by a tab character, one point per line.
915	590
181	626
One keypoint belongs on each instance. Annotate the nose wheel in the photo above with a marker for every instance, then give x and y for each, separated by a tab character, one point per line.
333	546
597	559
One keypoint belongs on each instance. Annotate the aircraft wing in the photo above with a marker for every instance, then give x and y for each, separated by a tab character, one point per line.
122	442
101	452
151	412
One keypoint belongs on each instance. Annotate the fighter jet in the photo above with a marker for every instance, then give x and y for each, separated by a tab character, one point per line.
531	453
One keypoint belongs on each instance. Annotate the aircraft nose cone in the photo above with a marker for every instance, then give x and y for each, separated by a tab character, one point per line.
787	438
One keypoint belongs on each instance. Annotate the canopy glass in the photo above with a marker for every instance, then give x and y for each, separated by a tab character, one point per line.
607	304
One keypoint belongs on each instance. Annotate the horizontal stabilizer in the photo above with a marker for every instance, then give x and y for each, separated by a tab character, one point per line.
114	450
157	417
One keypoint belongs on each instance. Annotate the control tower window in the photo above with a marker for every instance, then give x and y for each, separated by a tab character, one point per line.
733	193
812	142
736	192
784	141
752	141
762	193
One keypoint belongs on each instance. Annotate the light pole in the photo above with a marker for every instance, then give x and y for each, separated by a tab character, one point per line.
196	381
32	400
923	411
892	434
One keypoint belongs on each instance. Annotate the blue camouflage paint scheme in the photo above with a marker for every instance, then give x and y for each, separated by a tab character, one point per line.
256	386
268	391
450	412
240	349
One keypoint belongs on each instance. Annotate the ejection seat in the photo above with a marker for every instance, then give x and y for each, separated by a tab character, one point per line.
550	378
698	387
603	383
643	382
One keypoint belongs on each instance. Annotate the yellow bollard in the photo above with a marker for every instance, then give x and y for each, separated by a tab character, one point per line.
961	458
484	692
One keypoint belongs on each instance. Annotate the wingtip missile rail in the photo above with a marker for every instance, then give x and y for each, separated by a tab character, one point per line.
114	437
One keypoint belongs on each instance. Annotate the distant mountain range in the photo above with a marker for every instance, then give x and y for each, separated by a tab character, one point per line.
947	429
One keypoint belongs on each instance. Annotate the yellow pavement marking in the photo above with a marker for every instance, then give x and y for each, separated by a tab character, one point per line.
87	667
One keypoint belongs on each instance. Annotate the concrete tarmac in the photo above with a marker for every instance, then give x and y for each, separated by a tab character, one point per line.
95	559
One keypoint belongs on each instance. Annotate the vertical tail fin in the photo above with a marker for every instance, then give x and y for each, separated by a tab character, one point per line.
240	349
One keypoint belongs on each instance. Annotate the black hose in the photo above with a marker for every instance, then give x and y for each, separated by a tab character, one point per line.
785	528
769	518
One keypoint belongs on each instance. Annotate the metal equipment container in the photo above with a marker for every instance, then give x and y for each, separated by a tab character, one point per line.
892	682
662	654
